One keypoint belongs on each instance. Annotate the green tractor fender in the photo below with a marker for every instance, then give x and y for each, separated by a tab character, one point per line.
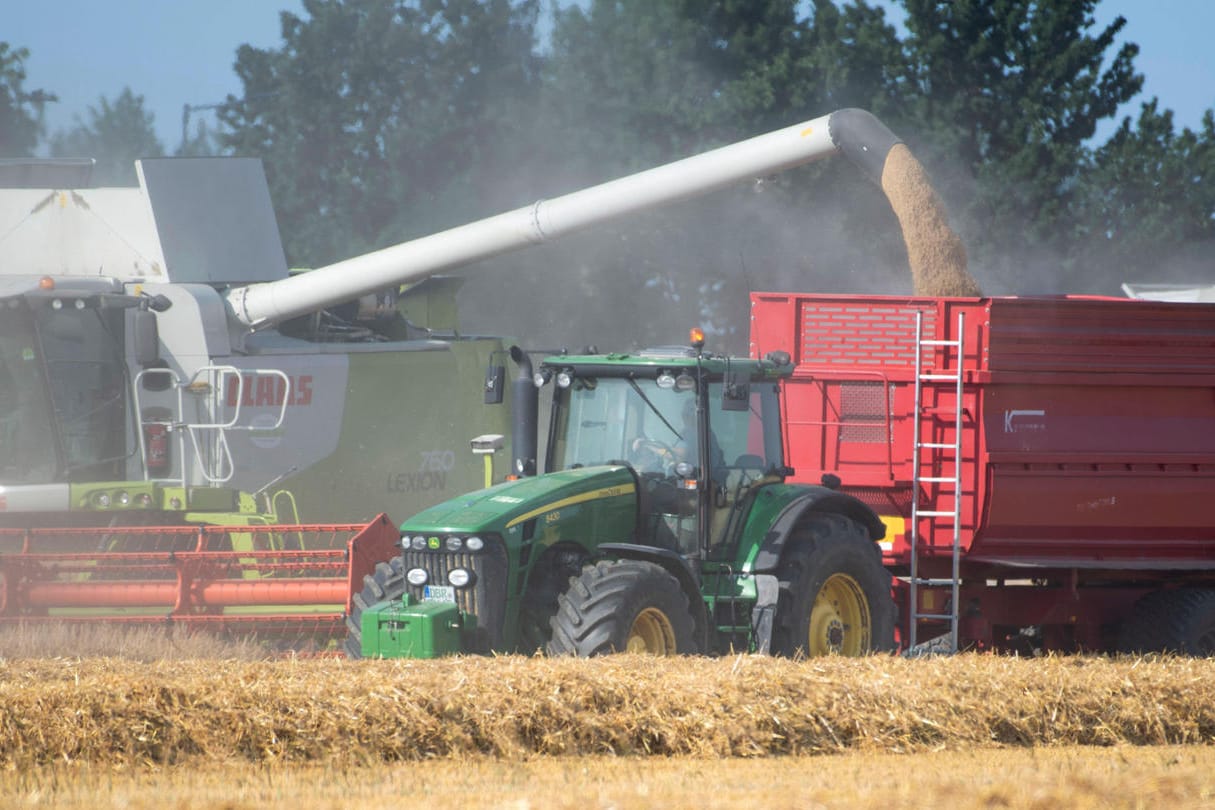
806	501
676	566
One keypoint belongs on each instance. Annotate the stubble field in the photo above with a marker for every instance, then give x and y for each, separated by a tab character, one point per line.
182	726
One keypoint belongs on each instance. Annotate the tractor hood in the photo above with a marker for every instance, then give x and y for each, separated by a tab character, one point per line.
588	492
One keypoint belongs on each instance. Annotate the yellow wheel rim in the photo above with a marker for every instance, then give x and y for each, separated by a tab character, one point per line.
839	620
651	634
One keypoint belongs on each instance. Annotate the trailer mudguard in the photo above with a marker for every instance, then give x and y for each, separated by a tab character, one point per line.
677	566
813	499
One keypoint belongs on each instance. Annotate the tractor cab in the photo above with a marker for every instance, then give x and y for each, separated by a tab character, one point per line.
697	431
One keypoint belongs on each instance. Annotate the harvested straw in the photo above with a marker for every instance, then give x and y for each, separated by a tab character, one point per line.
118	711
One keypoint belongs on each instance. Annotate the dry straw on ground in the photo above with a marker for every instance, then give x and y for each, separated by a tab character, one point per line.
119	711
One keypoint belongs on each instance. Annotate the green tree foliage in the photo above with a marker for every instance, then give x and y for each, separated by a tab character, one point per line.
115	134
20	109
379	120
1148	201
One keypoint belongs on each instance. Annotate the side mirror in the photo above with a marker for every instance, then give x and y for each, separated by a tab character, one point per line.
736	393
495	379
146	337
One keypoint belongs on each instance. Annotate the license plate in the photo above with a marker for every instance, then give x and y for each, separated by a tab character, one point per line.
438	593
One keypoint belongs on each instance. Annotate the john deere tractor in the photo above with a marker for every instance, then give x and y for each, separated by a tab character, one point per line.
662	525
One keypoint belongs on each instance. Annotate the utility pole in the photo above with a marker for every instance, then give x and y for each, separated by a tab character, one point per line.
186	109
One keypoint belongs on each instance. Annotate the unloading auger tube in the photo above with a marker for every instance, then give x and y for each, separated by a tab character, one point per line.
857	134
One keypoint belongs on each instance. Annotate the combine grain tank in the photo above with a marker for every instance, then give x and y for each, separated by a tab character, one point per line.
1044	465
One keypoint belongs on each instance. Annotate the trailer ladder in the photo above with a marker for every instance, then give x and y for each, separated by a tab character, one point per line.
940	453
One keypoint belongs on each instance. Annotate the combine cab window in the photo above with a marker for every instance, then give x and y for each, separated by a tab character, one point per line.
27	438
85	367
62	396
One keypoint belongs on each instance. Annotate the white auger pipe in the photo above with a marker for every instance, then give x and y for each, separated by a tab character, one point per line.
855	132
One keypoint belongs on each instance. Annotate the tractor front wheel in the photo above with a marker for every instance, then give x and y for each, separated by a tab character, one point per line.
386	582
835	594
623	606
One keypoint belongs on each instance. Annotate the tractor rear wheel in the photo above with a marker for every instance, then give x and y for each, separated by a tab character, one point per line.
834	592
1178	621
386	582
623	606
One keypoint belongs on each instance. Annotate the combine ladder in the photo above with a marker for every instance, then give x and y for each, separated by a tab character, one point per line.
940	453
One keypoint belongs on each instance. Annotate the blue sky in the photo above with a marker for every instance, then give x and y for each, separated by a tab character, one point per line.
178	52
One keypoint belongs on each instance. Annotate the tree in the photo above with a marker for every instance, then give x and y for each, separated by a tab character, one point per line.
115	134
21	110
379	120
1148	201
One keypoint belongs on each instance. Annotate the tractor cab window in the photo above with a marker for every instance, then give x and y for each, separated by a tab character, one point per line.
616	420
655	431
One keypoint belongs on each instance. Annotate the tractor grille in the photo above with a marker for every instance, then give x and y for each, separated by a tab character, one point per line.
485	598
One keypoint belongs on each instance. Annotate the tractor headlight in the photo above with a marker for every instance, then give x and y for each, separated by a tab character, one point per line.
474	544
124	498
565	378
417	543
417	576
454	543
459	577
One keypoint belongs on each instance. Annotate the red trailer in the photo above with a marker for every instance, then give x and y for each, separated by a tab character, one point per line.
1045	466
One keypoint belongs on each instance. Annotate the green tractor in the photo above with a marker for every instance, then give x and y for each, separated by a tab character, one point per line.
663	525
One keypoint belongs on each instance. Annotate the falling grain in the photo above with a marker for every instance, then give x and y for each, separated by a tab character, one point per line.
936	254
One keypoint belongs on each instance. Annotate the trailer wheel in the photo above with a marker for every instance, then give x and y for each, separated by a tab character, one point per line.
623	606
835	594
386	582
1180	621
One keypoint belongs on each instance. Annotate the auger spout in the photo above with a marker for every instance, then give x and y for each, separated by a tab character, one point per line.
856	133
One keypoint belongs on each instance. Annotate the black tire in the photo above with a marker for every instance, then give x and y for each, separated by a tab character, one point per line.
835	596
1177	621
550	576
386	582
623	606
